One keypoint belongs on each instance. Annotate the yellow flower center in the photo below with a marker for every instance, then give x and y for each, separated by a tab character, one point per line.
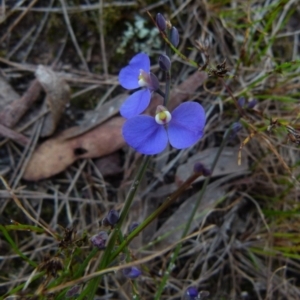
163	117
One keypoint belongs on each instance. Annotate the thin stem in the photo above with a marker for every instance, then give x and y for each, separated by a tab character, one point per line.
156	213
168	73
160	92
92	286
189	222
168	84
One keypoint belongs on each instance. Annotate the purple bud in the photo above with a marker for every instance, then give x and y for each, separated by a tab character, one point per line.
164	62
105	222
99	240
236	127
112	217
252	103
132	272
241	102
192	293
154	82
174	36
72	292
161	22
200	168
133	226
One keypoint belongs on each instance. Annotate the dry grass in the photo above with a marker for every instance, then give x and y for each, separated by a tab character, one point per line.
245	241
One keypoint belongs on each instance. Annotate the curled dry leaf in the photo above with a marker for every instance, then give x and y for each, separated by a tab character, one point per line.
56	154
58	95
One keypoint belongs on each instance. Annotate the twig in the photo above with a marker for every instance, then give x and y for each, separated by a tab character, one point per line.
16	22
73	37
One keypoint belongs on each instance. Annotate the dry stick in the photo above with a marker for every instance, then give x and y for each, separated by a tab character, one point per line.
21	42
38	32
9	133
102	41
18	203
17	21
13	112
26	156
73	37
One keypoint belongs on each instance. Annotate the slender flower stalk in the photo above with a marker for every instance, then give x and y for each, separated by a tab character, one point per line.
191	218
92	286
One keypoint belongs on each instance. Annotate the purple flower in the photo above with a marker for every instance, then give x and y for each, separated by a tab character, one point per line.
132	272
112	218
99	240
200	168
161	22
241	102
183	128
133	226
192	293
135	75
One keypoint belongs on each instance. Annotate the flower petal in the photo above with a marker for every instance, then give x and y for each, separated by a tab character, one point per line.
135	103
187	124
129	75
144	135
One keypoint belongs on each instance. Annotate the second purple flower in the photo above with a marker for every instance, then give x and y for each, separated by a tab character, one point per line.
137	75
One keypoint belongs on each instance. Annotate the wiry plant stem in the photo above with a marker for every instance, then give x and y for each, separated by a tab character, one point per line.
190	220
92	286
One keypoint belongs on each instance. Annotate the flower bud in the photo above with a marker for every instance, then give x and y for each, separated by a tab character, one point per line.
132	272
112	217
252	103
154	82
133	226
73	292
241	102
174	36
236	127
200	168
192	293
161	22
99	240
164	62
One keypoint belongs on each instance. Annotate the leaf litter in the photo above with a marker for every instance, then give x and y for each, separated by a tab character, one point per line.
237	257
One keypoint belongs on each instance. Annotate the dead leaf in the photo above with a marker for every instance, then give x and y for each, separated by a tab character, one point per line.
226	164
97	117
173	228
58	95
109	165
13	111
56	154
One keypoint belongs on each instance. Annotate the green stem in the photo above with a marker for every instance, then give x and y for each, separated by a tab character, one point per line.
92	286
167	91
189	222
156	213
